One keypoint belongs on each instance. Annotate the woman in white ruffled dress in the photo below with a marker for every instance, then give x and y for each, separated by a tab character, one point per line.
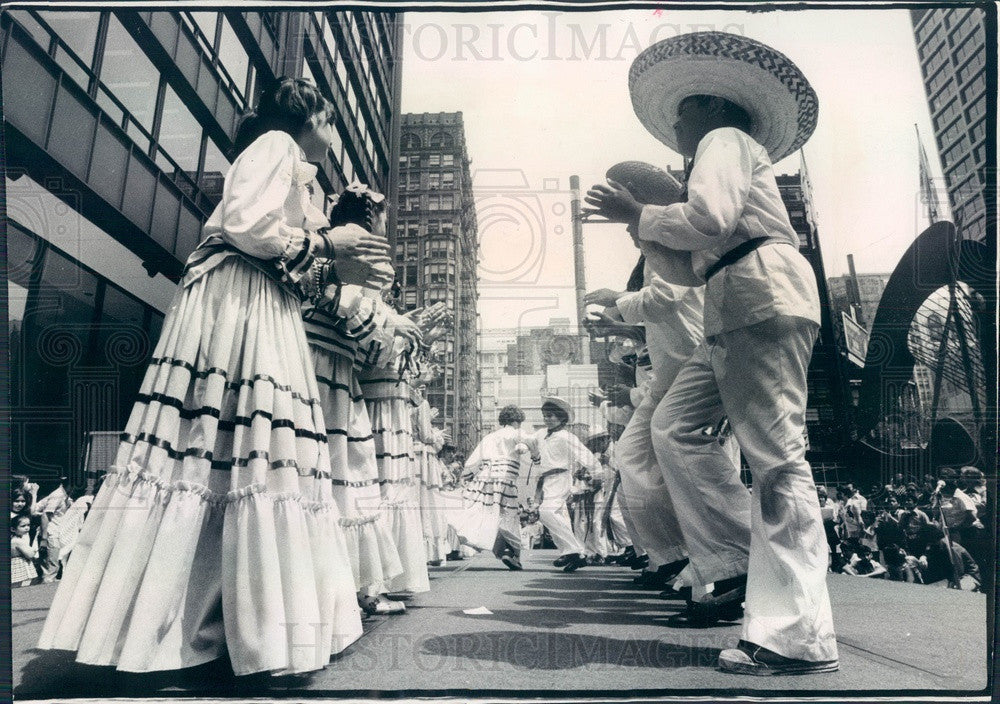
344	333
490	519
215	531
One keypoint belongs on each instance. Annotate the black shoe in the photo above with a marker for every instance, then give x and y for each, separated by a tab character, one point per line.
454	555
563	560
724	604
750	659
639	562
702	615
575	562
512	562
660	578
627	555
682	593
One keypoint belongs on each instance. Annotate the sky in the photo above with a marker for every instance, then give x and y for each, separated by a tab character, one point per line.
545	95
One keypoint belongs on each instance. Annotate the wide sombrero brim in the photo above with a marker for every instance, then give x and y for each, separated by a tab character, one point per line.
782	105
561	403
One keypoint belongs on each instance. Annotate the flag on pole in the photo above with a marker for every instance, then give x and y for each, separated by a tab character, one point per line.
927	193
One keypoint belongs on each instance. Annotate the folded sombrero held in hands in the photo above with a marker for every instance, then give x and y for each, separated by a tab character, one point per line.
761	80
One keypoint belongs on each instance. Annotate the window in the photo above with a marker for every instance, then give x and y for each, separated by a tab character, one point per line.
79	31
442	140
180	135
448	179
434	180
213	172
129	75
233	57
448	160
434	160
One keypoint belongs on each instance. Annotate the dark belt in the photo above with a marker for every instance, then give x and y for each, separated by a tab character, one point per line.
735	254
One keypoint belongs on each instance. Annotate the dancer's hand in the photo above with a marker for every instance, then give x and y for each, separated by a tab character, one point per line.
408	330
604	297
352	240
368	270
614	202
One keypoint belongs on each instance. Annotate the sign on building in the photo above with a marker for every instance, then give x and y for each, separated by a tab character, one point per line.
856	339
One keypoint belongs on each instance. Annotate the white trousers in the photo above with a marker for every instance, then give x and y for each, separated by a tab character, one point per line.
554	515
757	377
643	489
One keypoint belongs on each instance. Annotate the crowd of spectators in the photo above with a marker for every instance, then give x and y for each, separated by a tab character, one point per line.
930	532
43	531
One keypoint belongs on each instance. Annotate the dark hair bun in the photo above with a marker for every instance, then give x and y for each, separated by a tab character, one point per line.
286	104
358	205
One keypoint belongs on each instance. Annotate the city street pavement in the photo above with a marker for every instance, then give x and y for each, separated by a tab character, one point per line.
549	632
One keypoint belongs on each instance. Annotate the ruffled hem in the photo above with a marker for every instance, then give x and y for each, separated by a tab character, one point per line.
403	519
173	575
373	552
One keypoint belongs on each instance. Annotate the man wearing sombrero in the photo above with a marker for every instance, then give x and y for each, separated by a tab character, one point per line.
735	105
561	457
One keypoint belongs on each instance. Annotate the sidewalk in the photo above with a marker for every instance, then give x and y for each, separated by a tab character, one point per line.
562	633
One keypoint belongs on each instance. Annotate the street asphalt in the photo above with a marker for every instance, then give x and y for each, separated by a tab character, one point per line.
544	633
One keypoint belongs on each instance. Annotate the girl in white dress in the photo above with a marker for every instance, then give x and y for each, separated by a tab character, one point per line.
215	530
490	519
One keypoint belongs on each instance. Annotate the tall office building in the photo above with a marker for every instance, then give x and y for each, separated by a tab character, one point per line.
436	258
828	408
118	128
951	48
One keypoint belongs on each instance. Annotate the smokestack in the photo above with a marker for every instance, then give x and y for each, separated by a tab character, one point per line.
578	271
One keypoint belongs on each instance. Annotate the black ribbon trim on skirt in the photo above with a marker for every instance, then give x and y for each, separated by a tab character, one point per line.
355	485
389	456
386	431
207	455
350	438
231	385
226	425
337	386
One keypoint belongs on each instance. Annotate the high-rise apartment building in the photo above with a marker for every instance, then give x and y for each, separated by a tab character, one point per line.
436	258
118	128
951	48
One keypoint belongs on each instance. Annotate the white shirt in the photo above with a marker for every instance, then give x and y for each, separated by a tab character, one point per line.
733	197
266	208
672	317
501	444
563	450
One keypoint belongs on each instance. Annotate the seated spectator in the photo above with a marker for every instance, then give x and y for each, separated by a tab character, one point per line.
900	566
893	507
23	553
867	537
971	482
897	487
957	510
862	564
888	532
940	562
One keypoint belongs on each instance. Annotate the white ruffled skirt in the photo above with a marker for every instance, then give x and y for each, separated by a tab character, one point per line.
215	530
372	549
393	431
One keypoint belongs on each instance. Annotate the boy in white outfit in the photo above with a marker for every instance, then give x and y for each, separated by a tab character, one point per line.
736	105
561	455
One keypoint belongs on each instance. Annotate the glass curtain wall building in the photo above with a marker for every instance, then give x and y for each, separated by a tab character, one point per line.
118	129
951	48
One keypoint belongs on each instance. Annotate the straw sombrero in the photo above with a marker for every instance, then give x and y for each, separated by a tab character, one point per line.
762	81
561	403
